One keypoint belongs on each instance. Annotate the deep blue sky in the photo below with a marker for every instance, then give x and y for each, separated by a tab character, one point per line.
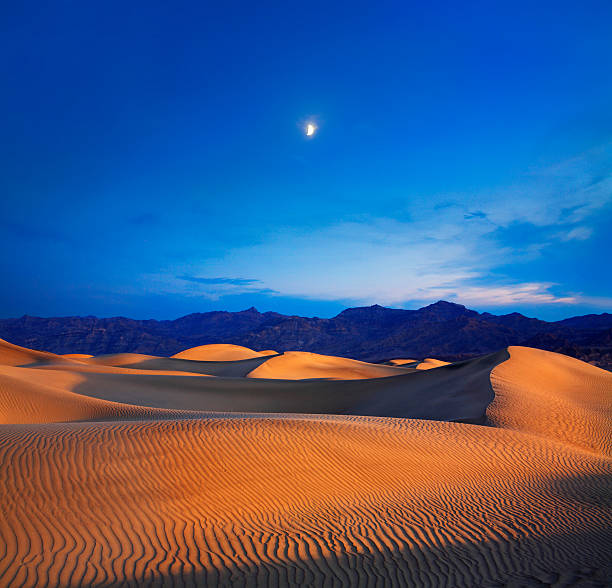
154	161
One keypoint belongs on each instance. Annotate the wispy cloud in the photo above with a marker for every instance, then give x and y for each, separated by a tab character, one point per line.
451	247
510	295
474	214
577	234
233	281
212	288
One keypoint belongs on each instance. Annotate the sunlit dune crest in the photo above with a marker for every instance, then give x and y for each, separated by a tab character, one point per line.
133	469
403	361
221	352
425	364
300	365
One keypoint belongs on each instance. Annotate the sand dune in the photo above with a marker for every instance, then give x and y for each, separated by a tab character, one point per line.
84	368
32	396
403	361
122	359
425	364
555	396
14	355
300	365
221	352
460	392
263	495
299	502
429	363
225	368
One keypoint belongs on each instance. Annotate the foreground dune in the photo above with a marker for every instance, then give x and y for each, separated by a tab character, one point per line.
140	494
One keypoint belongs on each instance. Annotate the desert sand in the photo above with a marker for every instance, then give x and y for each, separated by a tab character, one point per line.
221	352
132	470
299	365
424	364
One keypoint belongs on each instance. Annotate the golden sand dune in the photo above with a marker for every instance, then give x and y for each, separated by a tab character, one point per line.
14	355
429	363
403	361
226	368
424	364
109	369
300	365
555	396
77	355
460	392
245	498
34	396
122	359
221	352
309	501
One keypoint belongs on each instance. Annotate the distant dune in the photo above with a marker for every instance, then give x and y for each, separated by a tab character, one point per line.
300	365
134	469
403	361
425	364
221	352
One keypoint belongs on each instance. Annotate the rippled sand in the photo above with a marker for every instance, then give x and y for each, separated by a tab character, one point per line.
118	471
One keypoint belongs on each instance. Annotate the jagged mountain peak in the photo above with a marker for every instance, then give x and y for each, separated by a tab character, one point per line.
445	330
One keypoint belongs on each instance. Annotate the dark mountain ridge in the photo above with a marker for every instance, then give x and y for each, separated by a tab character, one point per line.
373	333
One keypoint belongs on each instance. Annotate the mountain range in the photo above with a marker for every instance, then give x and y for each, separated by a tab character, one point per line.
443	330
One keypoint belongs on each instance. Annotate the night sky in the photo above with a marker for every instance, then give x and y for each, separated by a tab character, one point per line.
154	160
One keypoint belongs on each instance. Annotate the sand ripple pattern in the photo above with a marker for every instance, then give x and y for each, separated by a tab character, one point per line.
104	493
336	501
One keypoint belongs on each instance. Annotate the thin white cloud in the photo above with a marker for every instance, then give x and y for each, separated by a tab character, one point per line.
509	295
577	234
448	249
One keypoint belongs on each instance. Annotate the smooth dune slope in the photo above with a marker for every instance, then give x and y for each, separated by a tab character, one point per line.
95	368
300	365
15	355
225	368
554	396
221	352
34	396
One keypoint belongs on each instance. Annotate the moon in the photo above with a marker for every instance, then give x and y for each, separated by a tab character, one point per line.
310	129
